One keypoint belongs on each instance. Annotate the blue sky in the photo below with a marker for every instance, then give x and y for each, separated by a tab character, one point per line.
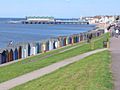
58	8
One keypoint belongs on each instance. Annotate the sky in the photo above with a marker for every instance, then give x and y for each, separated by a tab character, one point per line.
58	8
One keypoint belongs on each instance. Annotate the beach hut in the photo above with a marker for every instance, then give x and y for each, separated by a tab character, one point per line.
70	40
67	40
81	37
64	40
85	36
15	54
29	50
78	37
60	41
19	52
101	31
3	56
94	34
75	38
52	44
72	37
47	45
24	47
43	47
33	51
38	47
33	47
56	44
24	53
7	59
10	55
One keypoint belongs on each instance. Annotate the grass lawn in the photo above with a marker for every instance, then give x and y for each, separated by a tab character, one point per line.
34	63
91	73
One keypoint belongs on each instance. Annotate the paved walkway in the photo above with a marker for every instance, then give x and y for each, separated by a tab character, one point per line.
115	51
46	70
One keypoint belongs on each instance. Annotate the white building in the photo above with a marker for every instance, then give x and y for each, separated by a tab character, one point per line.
42	19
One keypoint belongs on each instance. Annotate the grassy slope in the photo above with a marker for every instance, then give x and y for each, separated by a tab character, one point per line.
25	66
91	73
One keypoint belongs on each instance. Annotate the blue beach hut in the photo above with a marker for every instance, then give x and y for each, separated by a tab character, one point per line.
15	55
77	38
70	40
3	56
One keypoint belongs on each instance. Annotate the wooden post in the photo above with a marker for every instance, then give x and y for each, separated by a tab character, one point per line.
108	44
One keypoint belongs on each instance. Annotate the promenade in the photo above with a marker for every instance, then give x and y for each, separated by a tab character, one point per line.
115	52
46	70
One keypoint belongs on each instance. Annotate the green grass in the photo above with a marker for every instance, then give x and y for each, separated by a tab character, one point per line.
34	63
91	73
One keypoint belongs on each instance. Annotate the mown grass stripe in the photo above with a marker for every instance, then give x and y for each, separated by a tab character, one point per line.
91	73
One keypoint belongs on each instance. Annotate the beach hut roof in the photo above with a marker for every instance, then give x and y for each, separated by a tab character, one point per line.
1	50
10	48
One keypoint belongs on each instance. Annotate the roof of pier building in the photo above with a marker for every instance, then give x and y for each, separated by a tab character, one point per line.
37	18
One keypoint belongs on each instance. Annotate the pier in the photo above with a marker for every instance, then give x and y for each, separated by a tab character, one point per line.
52	20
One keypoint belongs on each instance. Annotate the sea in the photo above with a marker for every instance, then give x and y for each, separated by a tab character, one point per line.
35	32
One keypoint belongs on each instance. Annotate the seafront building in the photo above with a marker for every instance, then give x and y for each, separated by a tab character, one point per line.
101	19
102	22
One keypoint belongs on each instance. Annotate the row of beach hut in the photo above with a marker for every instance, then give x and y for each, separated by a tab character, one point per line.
23	50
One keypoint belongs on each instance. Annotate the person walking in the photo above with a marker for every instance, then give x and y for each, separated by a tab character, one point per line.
117	33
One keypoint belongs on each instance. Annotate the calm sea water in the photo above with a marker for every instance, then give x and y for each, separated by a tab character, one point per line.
35	32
